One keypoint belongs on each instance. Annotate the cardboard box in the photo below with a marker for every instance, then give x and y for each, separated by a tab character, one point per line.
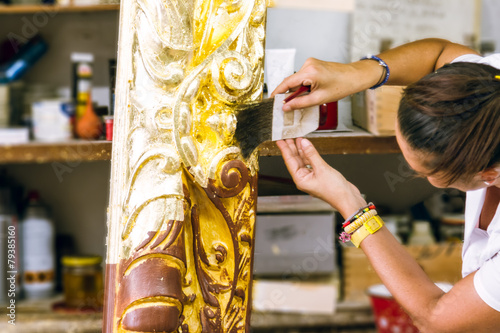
376	110
442	263
294	236
295	296
294	244
292	204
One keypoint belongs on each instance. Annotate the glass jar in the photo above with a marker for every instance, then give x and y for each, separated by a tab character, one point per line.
83	281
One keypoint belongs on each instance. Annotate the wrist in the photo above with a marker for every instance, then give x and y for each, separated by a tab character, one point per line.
351	204
368	73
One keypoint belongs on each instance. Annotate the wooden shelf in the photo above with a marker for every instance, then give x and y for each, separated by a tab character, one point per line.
37	315
27	9
56	152
345	317
356	142
340	143
331	5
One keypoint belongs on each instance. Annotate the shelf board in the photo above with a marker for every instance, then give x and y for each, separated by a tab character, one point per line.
70	151
37	315
28	9
345	316
356	142
332	5
329	5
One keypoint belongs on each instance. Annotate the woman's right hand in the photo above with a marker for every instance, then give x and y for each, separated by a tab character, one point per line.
329	81
313	175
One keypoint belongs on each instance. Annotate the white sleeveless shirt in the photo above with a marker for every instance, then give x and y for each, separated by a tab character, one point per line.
481	247
480	250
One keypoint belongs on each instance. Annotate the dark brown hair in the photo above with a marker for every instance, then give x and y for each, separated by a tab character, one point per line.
453	115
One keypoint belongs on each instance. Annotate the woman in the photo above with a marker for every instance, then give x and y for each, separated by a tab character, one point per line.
448	129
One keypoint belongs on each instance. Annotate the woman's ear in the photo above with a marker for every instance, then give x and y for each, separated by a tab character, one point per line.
490	175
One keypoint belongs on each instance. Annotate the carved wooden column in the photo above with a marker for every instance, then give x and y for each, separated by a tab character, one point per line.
182	203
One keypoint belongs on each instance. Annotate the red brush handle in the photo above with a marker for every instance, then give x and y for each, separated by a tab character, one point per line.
296	93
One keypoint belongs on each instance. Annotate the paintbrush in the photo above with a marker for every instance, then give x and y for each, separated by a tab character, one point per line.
266	121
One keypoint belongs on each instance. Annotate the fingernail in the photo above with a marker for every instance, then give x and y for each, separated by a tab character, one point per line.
286	107
306	143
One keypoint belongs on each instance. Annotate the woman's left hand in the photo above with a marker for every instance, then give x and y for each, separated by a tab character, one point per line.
313	175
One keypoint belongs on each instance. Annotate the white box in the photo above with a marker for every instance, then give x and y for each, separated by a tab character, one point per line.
52	120
11	136
298	297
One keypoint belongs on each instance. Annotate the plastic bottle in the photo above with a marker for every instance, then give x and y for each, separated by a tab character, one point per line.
23	60
82	72
421	234
38	250
9	254
89	126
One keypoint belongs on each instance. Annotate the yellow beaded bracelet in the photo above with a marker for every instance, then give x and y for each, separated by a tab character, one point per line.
352	227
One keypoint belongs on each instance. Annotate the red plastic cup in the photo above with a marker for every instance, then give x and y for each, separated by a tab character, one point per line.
389	316
328	116
109	120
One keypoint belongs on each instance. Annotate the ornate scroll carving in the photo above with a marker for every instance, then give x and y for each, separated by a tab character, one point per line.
181	216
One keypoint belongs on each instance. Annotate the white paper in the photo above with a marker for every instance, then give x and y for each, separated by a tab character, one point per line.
293	124
279	65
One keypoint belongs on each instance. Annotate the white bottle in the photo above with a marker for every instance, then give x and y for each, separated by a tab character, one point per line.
421	234
38	250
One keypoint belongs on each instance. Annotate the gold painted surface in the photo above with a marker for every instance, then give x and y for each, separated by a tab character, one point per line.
182	204
182	95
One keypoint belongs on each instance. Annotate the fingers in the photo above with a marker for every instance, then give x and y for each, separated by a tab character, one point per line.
310	154
293	82
292	146
295	153
301	102
291	156
301	152
288	83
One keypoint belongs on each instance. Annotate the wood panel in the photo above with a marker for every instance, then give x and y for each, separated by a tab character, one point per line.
337	145
27	9
101	150
53	152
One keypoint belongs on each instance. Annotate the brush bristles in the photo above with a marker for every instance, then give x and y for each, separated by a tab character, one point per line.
254	125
